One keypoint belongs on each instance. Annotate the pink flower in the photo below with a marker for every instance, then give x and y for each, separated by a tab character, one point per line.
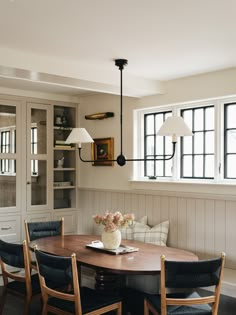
113	221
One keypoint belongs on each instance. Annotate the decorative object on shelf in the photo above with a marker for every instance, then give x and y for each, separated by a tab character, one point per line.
99	116
58	121
103	152
173	126
60	162
61	120
111	235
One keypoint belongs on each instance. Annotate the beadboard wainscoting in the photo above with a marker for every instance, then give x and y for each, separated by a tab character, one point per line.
205	226
199	223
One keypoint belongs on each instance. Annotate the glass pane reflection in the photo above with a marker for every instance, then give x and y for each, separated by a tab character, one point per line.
39	185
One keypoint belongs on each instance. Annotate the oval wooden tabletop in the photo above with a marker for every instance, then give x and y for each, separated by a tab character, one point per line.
144	261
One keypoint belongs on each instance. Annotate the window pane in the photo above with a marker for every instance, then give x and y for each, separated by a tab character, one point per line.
198	166
150	168
198	142
187	166
209	142
150	145
209	166
209	118
198	119
149	124
231	141
231	114
159	121
159	168
159	145
187	115
231	169
187	145
168	168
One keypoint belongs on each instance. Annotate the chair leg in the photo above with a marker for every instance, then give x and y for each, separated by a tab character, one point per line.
44	310
3	299
27	305
145	307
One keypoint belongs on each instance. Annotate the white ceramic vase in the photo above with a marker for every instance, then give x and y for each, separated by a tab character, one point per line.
111	240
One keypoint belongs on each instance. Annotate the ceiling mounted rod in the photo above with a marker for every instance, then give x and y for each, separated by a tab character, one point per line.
173	126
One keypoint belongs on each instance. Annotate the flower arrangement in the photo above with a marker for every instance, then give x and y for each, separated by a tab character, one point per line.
114	221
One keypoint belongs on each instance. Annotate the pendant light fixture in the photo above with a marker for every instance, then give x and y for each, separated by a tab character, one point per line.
173	126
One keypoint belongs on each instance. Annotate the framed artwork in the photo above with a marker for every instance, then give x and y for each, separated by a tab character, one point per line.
103	151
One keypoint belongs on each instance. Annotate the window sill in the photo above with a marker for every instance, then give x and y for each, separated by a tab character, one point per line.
217	190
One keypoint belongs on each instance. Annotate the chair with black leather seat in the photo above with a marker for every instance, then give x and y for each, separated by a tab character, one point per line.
64	272
23	285
187	275
36	230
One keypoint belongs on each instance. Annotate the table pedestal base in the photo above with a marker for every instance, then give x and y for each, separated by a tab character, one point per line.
108	282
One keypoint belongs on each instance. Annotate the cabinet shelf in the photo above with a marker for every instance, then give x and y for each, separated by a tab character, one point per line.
63	148
63	187
62	169
62	128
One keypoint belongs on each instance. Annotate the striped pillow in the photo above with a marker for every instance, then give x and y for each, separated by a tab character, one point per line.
156	235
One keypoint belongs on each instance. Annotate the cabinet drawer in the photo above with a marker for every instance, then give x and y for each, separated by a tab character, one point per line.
10	228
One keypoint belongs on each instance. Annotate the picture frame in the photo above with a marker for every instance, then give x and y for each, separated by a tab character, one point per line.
102	150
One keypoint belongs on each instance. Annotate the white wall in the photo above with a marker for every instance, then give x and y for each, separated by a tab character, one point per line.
113	177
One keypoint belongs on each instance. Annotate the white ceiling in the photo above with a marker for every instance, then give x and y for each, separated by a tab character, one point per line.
69	46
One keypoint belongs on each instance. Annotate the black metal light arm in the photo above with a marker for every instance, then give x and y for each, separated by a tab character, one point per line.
121	159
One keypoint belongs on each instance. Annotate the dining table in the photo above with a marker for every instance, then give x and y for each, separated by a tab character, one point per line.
144	261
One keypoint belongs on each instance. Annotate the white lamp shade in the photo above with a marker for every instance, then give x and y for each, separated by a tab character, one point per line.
79	135
174	126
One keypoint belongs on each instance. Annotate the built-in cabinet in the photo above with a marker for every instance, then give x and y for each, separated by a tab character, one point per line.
38	178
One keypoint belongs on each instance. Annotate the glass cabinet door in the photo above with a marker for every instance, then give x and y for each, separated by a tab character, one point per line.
8	156
38	156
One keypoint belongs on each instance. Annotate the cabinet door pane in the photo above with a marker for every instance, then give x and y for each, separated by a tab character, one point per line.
39	184
7	154
38	131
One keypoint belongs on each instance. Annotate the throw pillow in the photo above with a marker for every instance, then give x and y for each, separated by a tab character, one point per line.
128	232
156	235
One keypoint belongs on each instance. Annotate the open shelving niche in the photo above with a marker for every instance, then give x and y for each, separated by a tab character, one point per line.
65	181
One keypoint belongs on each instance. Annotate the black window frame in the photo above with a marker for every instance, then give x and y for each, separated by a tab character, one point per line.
146	156
226	129
204	154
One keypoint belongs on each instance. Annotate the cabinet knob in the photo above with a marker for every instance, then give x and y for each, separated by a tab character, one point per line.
28	183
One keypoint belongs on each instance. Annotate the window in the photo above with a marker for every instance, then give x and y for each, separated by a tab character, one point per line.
197	152
156	146
230	141
209	156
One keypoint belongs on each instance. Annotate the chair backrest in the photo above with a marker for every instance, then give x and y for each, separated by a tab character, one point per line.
35	230
15	255
62	271
191	275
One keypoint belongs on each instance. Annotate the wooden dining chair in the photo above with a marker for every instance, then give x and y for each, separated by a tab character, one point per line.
187	275
36	230
21	283
81	300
